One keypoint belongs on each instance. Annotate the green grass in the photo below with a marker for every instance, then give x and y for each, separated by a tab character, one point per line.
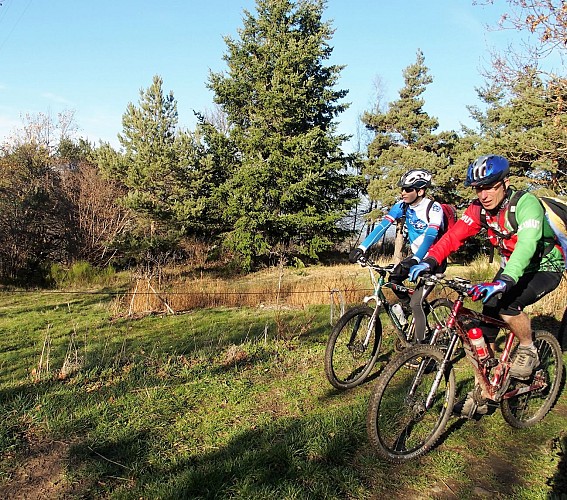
217	404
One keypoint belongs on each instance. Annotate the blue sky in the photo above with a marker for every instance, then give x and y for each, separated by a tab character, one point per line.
94	57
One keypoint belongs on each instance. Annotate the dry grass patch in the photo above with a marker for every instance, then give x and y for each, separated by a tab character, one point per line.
288	288
270	288
552	304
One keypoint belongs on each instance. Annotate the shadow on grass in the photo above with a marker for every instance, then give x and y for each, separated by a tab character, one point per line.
281	460
558	482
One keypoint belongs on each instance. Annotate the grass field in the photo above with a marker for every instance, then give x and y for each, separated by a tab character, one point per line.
227	402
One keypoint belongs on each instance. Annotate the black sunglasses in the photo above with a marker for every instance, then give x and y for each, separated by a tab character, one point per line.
408	189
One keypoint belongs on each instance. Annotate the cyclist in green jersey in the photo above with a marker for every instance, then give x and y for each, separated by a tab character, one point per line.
531	266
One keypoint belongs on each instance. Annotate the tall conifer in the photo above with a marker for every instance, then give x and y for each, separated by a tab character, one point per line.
288	187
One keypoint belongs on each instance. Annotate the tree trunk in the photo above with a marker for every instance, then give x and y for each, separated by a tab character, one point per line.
399	243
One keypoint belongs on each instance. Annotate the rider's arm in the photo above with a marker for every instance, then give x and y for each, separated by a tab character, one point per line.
529	216
430	235
468	225
395	213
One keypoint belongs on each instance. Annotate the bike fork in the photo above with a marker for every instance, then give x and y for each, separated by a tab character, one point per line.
440	372
370	329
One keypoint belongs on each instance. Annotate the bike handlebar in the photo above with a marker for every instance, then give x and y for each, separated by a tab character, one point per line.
461	285
380	269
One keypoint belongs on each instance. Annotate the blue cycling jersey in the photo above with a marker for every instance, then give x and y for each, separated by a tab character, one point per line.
422	227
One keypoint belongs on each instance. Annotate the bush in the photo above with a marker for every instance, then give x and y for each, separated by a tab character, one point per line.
80	274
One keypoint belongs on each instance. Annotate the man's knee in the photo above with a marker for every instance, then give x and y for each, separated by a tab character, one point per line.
516	320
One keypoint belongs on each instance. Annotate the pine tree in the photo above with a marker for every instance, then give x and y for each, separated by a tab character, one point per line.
404	139
148	165
403	136
525	115
526	122
288	188
172	177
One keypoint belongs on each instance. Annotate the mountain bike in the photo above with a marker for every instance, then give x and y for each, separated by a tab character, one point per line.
354	343
414	396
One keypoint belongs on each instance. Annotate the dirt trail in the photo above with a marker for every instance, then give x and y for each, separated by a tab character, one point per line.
41	476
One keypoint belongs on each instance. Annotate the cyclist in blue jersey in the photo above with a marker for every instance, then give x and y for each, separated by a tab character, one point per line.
423	221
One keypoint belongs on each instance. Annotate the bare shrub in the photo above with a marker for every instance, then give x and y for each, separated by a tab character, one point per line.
98	216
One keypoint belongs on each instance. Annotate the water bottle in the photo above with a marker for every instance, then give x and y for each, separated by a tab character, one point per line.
477	340
399	313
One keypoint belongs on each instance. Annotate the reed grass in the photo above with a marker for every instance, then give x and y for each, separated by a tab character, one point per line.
290	288
295	289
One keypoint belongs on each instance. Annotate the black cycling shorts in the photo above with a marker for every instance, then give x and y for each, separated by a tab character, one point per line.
530	288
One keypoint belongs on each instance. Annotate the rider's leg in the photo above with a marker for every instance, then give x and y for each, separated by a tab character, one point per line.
529	289
510	307
397	276
521	325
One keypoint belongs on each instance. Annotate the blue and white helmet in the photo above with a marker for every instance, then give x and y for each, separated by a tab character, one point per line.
486	170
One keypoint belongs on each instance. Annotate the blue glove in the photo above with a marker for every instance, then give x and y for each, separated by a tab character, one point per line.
418	269
409	262
487	290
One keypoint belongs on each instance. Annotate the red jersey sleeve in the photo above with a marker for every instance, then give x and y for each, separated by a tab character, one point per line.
468	225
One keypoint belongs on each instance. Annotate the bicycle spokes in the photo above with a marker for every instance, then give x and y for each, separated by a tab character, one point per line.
400	423
527	402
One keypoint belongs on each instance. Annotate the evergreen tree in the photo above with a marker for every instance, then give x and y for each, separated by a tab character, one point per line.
526	122
148	166
404	139
171	177
525	115
288	187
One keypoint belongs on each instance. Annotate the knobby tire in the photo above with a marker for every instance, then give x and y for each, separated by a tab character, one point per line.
347	362
527	409
399	426
440	311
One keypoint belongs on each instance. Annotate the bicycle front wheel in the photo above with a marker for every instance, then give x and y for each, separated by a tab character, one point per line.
399	423
437	312
353	347
528	408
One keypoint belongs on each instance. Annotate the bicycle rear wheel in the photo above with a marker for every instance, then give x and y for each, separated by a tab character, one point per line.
352	348
399	425
437	311
528	408
440	311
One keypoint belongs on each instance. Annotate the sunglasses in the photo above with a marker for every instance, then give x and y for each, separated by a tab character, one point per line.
408	189
494	187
